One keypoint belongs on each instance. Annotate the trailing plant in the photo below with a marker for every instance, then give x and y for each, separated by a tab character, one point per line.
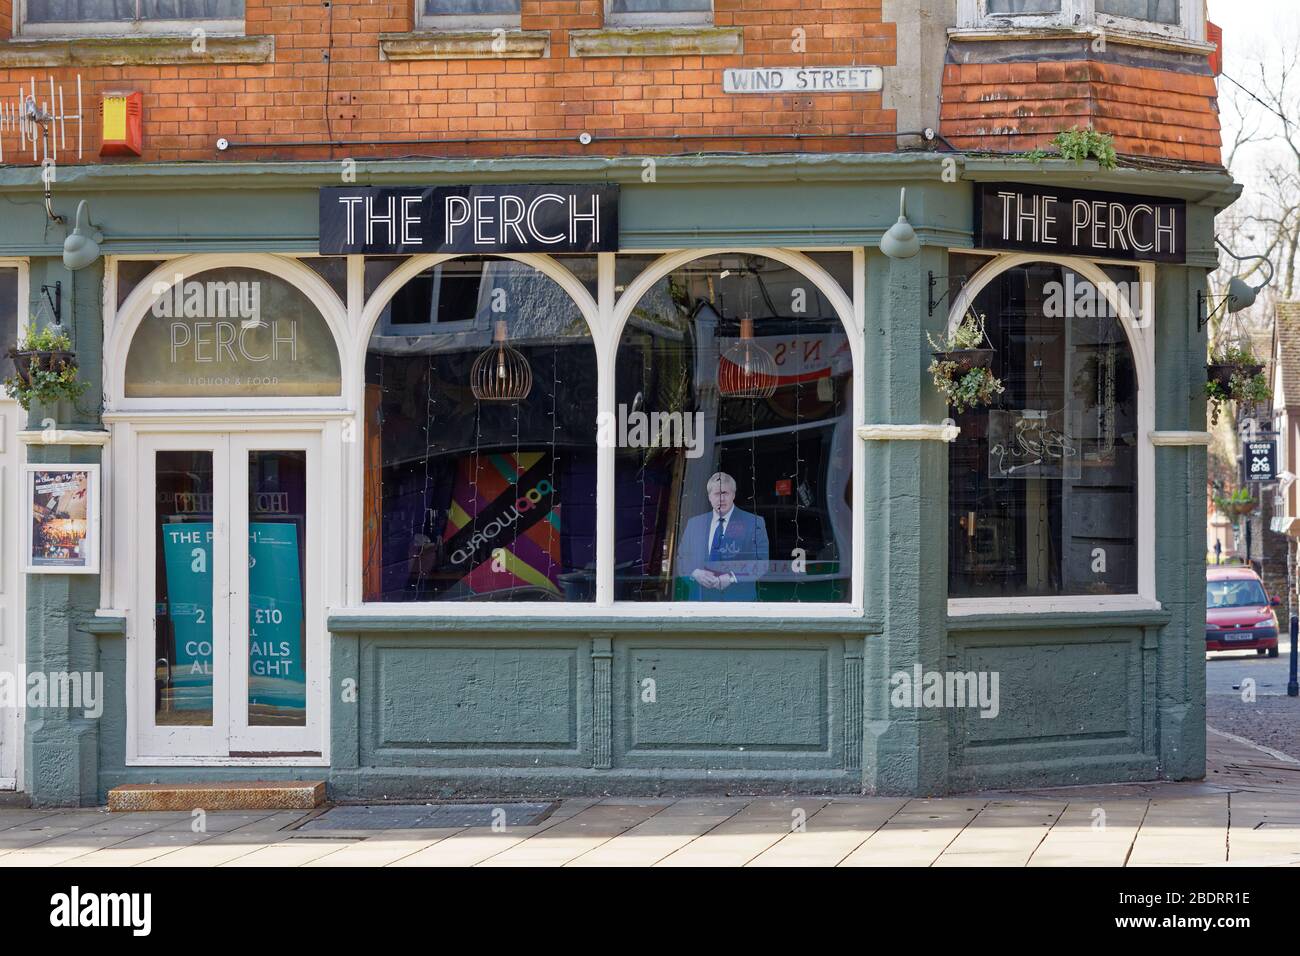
45	369
1235	504
961	366
1235	375
1079	145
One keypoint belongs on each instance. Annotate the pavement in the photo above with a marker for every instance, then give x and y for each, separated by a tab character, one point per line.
1245	812
1245	694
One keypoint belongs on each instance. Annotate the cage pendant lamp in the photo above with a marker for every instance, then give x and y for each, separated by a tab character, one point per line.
500	373
746	369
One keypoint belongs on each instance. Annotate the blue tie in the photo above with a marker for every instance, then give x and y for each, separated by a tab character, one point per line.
715	549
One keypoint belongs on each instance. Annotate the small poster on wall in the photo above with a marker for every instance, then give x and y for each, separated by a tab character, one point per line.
63	519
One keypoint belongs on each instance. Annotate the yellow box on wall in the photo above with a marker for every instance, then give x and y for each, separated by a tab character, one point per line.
123	126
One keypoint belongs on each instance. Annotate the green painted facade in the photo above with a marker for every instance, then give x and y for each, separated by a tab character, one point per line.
802	704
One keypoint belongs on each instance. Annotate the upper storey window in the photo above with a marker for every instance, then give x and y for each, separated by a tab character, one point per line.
469	14
115	17
1180	19
658	12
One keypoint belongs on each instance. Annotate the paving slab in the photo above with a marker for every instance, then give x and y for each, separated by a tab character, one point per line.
570	838
746	834
917	835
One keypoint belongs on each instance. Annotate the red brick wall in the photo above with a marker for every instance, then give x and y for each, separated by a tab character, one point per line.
1020	106
186	108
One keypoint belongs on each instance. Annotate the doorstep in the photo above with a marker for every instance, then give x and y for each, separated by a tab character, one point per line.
235	795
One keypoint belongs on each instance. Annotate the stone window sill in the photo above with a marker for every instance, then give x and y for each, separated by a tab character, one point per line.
133	51
1112	34
465	45
657	41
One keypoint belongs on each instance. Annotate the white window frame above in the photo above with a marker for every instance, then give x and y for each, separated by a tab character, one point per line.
664	19
144	27
463	21
1141	339
1082	15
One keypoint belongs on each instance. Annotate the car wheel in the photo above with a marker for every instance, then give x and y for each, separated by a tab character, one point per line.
1261	651
1272	652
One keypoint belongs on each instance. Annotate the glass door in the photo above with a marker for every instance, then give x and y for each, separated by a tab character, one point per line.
236	595
276	598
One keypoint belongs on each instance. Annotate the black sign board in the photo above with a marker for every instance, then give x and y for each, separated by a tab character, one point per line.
1259	460
408	220
1080	222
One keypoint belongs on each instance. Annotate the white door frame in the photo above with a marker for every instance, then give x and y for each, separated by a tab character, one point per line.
13	584
135	436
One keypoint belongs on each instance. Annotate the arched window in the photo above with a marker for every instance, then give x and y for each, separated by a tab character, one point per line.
1043	484
231	332
733	429
480	444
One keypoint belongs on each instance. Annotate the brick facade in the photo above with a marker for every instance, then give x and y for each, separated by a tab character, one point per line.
353	94
1168	111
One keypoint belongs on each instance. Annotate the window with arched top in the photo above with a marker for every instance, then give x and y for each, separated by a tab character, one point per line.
480	440
231	332
734	433
1043	481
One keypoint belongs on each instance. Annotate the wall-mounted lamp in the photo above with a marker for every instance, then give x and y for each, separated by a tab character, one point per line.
81	248
900	242
1240	295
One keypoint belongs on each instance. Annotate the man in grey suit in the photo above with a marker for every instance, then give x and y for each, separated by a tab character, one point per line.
723	553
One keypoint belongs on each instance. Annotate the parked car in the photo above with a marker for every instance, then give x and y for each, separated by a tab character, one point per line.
1239	614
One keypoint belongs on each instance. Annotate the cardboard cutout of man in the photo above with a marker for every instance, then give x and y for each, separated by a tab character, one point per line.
724	552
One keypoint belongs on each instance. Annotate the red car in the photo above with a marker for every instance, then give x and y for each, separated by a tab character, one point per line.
1238	613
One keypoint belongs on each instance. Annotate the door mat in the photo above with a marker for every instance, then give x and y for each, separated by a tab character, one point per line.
429	816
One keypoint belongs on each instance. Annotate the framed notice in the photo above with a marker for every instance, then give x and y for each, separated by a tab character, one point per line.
62	524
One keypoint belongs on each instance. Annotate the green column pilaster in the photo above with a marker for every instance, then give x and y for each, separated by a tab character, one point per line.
905	749
62	744
1180	474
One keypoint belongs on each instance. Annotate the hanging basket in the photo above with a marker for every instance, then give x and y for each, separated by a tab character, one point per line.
967	359
26	362
1239	509
1221	374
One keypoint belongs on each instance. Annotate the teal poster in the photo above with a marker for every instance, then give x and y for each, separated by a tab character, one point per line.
276	670
187	554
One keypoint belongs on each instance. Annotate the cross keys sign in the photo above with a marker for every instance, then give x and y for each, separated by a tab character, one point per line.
1259	460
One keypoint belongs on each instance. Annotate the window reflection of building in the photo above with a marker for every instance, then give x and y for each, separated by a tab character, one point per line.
470	499
790	454
1043	485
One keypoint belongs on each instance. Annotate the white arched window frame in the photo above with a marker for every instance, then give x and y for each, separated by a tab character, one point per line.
1085	17
1140	332
135	307
125	418
606	314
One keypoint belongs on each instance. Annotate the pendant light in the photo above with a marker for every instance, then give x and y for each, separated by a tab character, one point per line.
500	373
746	369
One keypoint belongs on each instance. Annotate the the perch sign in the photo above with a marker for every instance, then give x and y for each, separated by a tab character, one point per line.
1080	222
485	219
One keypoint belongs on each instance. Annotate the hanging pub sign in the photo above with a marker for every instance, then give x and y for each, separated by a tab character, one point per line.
1080	222
406	220
1259	460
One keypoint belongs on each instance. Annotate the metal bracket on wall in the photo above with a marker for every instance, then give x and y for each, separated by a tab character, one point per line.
55	301
934	281
1204	312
